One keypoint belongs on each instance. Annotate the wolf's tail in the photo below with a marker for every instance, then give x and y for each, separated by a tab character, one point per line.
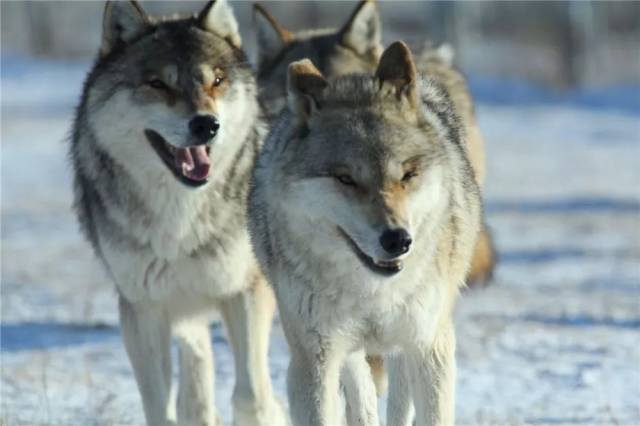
484	260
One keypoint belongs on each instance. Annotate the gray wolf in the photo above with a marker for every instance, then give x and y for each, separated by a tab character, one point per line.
164	139
356	47
364	212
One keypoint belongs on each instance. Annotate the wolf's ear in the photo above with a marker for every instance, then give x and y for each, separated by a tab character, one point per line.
217	17
305	87
397	69
362	32
446	53
271	36
121	22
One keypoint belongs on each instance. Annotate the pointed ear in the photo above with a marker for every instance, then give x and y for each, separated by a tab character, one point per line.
305	88
362	32
397	68
271	36
217	17
122	21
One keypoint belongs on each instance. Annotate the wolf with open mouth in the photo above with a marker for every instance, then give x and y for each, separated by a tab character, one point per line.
164	140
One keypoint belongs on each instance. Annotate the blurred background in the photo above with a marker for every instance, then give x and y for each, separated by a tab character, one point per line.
553	340
561	44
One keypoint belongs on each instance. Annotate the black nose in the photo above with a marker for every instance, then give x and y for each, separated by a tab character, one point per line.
395	241
204	127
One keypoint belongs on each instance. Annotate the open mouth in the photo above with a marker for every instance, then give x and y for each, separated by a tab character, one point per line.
190	165
382	267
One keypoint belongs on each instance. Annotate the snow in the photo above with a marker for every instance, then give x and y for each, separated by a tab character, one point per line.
555	340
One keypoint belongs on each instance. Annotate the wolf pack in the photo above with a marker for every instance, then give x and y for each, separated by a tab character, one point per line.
332	180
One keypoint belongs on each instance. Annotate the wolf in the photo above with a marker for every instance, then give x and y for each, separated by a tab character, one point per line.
163	143
356	47
363	213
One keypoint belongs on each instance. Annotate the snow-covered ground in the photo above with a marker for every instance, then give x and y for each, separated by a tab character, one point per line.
555	340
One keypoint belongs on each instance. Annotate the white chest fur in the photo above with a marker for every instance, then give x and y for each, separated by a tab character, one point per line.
173	255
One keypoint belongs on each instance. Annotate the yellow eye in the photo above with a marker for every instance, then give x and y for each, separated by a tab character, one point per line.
346	180
409	175
158	84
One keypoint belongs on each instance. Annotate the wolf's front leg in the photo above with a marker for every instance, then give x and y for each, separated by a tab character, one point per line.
313	387
400	404
360	391
313	377
195	394
146	330
433	374
248	317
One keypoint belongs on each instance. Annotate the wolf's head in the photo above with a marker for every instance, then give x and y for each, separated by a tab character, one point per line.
356	47
165	93
366	157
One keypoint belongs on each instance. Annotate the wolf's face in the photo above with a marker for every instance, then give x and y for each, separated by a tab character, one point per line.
370	182
354	48
366	166
165	90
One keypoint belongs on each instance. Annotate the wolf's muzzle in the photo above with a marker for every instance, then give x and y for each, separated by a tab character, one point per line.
190	165
204	128
387	268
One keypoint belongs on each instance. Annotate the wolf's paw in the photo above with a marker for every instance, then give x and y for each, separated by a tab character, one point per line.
216	421
200	419
250	413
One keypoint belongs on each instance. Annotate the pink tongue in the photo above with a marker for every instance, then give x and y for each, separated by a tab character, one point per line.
194	162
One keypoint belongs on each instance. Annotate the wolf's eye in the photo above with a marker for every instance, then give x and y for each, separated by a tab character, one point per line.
158	84
409	175
346	180
218	81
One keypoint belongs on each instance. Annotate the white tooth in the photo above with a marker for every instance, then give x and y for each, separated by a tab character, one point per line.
186	168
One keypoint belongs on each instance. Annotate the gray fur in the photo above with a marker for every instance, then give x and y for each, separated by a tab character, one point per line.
356	48
101	183
174	252
353	48
355	101
331	304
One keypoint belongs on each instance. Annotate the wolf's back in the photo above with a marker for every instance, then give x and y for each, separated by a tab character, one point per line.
439	67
